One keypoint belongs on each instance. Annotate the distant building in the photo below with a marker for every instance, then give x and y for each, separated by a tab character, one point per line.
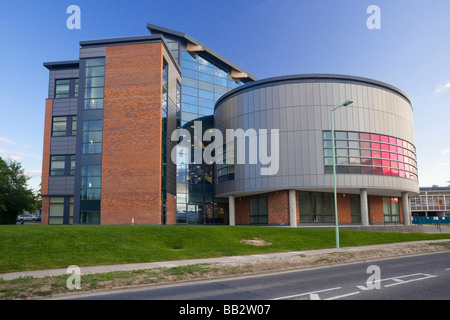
431	202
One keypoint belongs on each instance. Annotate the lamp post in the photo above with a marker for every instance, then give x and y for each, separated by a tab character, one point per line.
344	104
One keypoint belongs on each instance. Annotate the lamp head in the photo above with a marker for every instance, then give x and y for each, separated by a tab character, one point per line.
347	102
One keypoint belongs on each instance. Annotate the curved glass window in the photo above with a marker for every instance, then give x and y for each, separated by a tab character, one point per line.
368	153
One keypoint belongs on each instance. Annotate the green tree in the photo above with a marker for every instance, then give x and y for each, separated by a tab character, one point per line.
15	195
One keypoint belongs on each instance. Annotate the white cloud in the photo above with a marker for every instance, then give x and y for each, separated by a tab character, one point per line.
34	173
442	88
6	140
446	151
17	155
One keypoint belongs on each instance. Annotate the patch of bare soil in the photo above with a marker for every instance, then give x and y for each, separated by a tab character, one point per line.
255	241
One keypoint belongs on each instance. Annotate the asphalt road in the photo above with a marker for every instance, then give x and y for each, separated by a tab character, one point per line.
422	277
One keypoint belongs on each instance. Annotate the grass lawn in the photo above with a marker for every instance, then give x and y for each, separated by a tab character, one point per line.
34	247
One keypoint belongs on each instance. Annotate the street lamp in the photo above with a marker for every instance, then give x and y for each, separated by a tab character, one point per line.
344	104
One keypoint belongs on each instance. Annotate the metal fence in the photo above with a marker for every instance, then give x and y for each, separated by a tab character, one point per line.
431	220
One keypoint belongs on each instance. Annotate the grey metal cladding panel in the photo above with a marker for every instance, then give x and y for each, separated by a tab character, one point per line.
92	52
61	185
62	145
65	107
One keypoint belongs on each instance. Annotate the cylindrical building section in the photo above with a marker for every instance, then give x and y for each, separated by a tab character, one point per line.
376	166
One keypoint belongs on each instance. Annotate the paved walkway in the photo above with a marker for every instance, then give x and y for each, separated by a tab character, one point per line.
170	264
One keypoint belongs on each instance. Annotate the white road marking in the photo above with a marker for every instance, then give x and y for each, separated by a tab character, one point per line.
313	293
342	296
398	280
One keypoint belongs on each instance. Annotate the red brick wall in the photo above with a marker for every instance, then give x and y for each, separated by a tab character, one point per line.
278	207
400	208
46	159
131	160
376	209
344	208
242	210
171	209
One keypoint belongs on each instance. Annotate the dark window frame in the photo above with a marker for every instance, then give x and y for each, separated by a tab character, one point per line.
319	204
73	89
67	170
71	126
259	214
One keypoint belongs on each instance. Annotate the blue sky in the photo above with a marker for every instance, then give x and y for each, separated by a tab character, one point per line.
265	37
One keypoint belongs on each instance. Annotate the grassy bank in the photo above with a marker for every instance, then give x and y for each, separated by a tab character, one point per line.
34	247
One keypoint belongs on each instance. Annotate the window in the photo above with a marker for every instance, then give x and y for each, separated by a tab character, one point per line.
391	210
95	82
64	126
66	88
355	208
316	206
74	126
92	136
57	165
90	217
178	104
62	88
75	93
259	209
61	210
56	213
59	127
367	157
62	165
91	182
72	165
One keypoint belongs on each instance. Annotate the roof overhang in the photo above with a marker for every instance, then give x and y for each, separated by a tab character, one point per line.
196	47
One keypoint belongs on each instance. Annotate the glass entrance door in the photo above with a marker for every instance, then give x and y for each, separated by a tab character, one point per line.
191	212
195	214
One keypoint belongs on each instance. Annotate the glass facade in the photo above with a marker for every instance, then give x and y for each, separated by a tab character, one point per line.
367	153
165	95
92	141
95	82
203	83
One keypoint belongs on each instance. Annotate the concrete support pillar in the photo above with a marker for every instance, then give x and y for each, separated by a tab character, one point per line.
231	211
364	207
405	208
292	208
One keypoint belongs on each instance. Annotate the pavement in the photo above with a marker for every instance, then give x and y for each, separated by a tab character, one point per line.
233	260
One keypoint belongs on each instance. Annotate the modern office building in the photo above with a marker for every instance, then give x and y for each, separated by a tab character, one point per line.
431	202
110	116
